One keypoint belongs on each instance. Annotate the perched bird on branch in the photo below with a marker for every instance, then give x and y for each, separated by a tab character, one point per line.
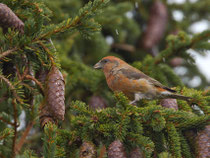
122	77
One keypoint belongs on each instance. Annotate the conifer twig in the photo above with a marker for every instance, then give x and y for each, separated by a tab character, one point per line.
69	24
23	138
15	128
4	54
36	81
7	122
102	152
48	51
3	97
2	137
25	72
192	44
12	88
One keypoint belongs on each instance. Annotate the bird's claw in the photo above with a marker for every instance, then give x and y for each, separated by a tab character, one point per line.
133	102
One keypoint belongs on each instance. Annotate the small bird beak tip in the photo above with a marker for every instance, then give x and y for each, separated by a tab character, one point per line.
97	66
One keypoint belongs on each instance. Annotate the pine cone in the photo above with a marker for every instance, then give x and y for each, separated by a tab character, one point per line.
45	116
156	26
136	153
9	19
55	90
177	61
97	103
169	103
116	150
203	143
87	150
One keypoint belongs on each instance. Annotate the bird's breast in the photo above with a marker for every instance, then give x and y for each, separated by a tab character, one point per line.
118	82
112	81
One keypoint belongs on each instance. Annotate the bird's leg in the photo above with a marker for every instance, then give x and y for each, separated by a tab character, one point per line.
138	97
133	102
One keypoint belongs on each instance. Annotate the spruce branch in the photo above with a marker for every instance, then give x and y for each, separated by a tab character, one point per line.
36	81
49	140
181	43
102	151
23	138
3	98
8	52
6	133
76	22
5	121
15	128
12	88
174	140
48	51
26	71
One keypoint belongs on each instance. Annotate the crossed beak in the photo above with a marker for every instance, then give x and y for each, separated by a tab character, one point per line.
97	65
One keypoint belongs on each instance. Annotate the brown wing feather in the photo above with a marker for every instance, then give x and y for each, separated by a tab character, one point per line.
135	74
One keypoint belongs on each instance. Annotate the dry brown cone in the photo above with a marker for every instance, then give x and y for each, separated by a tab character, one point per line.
136	153
116	150
156	26
169	103
176	61
45	116
55	90
97	103
203	143
87	150
8	19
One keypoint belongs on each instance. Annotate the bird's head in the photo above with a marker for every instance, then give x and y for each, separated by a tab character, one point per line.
108	63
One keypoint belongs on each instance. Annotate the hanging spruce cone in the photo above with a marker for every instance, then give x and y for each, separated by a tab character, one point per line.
55	90
9	20
87	150
136	153
156	26
97	103
203	143
45	116
169	103
177	61
116	150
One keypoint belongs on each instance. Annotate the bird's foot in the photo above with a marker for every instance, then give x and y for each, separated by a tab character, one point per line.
133	102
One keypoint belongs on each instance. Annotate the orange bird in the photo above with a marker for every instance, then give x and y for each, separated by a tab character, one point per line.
122	77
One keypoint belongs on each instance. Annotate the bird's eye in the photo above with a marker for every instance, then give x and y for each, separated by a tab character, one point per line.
105	61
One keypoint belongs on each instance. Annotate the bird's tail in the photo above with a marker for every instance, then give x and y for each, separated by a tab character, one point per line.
178	96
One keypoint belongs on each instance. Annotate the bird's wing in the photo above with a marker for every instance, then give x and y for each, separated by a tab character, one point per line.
135	74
